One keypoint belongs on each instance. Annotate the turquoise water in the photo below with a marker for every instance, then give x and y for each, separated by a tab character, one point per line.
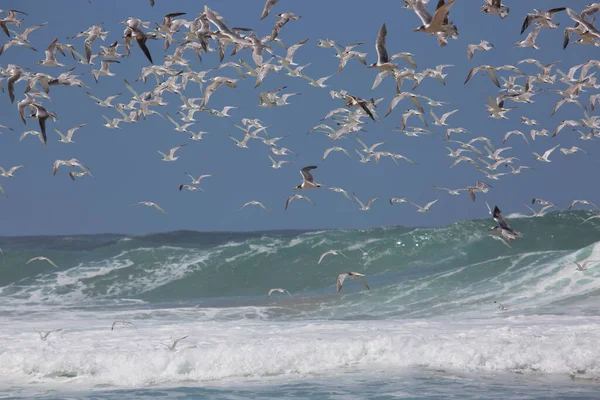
428	328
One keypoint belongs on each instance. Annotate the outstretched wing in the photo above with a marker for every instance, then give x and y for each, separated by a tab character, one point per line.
306	175
382	55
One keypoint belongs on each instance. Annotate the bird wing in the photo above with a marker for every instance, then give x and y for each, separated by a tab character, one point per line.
287	203
306	175
268	6
430	203
177	341
371	201
49	261
362	280
262	206
382	55
323	256
357	200
174	149
340	281
421	11
158	208
441	13
549	151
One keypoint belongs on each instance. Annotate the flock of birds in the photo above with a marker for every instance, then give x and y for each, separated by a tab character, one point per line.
209	33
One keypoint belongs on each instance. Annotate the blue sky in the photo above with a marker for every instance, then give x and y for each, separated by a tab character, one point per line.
127	167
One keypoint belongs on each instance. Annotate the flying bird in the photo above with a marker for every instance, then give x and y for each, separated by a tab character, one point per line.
297	196
122	323
255	203
150	204
172	347
308	181
44	335
280	290
40	258
350	275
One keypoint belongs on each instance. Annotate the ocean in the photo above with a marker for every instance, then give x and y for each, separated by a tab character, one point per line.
427	329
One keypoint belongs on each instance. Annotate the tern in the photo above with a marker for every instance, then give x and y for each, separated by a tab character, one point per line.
495	7
171	156
362	206
335	148
350	275
530	39
527	121
501	306
40	258
73	162
586	202
150	204
542	19
122	323
278	164
199	135
9	174
544	157
583	267
572	150
441	121
280	290
297	196
541	201
104	103
81	174
515	132
191	188
454	192
541	212
42	115
68	138
308	181
479	187
178	126
503	227
104	69
435	24
172	347
339	190
255	203
425	208
196	181
50	60
483	46
268	6
44	335
383	61
590	218
21	39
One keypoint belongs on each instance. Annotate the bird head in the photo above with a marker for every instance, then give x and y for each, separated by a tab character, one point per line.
297	187
420	29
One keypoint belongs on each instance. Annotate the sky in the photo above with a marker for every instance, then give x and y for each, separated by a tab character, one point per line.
126	166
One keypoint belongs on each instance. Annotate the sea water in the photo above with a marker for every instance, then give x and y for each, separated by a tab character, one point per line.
428	328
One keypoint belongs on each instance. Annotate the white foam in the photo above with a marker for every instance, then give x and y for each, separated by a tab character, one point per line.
86	353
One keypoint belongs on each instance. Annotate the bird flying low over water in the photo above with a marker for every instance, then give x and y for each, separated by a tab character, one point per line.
40	258
280	290
350	275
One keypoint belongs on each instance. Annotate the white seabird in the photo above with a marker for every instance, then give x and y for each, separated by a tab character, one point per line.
350	275
40	258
